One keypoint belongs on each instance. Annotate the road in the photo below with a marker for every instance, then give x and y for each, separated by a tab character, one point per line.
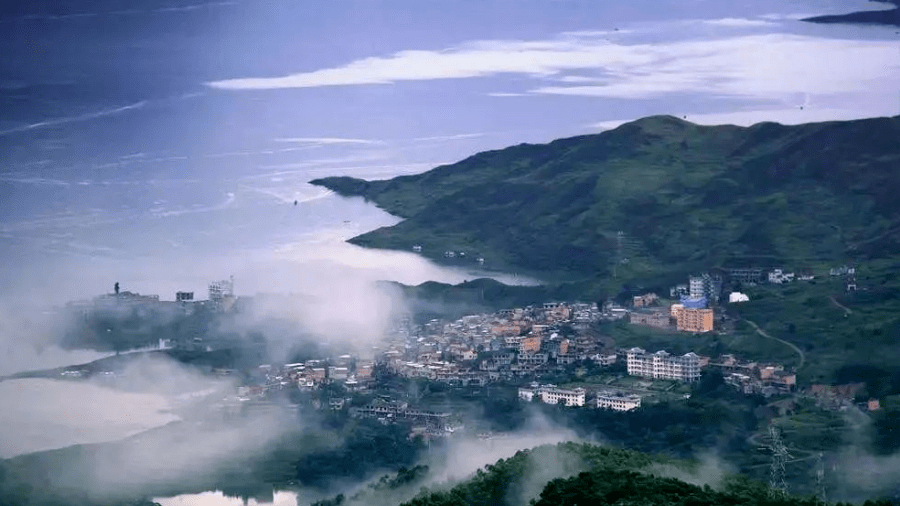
846	309
782	341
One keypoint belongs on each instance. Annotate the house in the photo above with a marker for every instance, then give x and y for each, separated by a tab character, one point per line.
737	297
842	271
745	275
679	291
653	318
616	401
530	344
644	300
778	277
604	360
550	394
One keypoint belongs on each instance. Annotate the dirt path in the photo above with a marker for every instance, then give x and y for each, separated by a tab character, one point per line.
782	341
834	301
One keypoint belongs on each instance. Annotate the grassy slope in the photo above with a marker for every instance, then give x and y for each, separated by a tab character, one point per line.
686	196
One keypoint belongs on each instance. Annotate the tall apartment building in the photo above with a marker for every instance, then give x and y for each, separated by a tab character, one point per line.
705	285
694	320
662	365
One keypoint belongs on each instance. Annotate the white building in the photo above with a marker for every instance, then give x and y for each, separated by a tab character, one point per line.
662	365
604	360
616	401
697	287
737	297
550	394
778	277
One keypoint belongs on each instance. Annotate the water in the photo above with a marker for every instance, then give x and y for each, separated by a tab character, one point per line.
217	498
44	414
119	163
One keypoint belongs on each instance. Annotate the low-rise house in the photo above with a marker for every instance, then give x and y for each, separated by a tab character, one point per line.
737	297
651	317
645	300
551	394
616	401
777	276
604	360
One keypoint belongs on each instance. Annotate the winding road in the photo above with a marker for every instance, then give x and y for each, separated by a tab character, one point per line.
782	341
847	310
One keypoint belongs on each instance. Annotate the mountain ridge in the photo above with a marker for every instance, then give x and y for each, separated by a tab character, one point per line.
654	196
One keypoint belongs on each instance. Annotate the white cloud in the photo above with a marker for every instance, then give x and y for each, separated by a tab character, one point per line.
326	141
757	67
73	119
472	59
454	137
751	67
507	94
738	22
578	79
777	16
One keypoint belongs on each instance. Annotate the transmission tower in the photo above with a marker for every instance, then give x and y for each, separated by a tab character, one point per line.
820	480
780	455
620	237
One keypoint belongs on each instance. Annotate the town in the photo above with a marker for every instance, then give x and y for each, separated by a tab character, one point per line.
554	353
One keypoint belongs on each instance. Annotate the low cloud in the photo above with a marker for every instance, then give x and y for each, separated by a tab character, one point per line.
327	141
755	66
74	119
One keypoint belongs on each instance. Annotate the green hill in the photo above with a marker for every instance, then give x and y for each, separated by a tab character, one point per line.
654	199
607	477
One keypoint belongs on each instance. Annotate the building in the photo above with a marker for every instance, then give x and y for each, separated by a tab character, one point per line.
645	300
694	302
550	394
662	365
649	317
616	401
746	275
737	297
221	294
530	344
681	290
777	377
694	320
604	360
778	277
184	296
705	285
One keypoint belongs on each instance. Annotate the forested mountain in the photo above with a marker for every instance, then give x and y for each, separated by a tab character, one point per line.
657	196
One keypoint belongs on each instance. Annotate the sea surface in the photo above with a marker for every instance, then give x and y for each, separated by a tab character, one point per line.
44	414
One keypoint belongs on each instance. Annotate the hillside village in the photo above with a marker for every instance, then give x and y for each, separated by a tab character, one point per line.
544	350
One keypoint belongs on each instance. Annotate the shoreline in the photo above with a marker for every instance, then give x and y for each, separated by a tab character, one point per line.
883	17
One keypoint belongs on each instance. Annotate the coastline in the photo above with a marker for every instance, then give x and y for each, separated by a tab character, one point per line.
884	17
